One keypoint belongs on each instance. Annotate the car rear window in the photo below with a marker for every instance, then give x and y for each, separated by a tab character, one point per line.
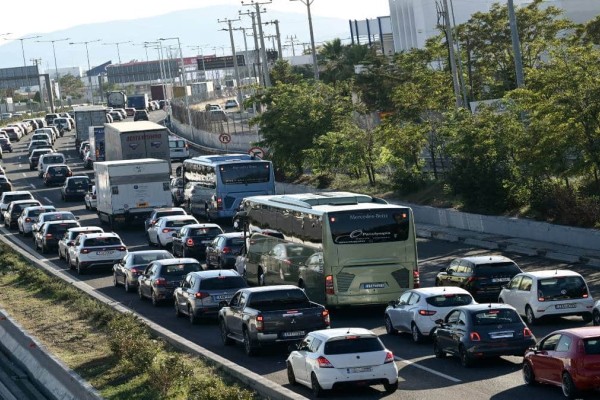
449	300
53	159
15	197
222	283
17	208
495	316
180	223
353	344
180	269
235	242
168	213
102	241
500	268
59	229
562	288
79	182
139	259
58	170
58	216
592	346
277	299
210	232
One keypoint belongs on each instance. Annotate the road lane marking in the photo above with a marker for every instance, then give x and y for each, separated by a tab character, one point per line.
24	174
48	200
32	185
407	362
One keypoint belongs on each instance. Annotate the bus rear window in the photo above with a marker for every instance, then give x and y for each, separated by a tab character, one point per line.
370	226
255	172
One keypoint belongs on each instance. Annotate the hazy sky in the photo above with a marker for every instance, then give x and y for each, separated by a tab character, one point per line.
20	18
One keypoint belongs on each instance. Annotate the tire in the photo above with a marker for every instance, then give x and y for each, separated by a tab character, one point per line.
249	347
528	375
530	316
178	313
465	360
316	388
416	334
155	301
140	295
227	341
80	271
596	318
390	387
389	328
568	387
587	318
437	351
193	319
290	374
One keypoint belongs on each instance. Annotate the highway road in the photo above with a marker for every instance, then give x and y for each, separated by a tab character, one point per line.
422	376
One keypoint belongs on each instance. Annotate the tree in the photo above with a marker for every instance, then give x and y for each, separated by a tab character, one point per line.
71	86
282	72
338	61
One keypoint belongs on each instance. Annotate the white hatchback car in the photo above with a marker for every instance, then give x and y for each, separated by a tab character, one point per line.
417	309
29	216
52	216
161	232
69	239
596	313
96	250
556	292
47	159
331	357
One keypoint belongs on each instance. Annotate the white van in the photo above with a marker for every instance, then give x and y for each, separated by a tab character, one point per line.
50	158
178	148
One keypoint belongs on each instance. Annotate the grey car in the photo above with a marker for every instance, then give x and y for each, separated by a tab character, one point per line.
127	271
203	293
161	277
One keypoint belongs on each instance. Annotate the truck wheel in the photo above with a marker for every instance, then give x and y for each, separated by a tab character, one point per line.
249	346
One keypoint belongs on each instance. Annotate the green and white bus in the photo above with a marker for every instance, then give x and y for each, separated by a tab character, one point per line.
343	248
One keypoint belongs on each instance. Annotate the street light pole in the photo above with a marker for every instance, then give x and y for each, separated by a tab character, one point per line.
516	44
236	68
89	65
307	3
24	62
187	104
56	74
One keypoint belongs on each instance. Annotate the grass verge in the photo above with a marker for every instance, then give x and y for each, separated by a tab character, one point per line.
115	353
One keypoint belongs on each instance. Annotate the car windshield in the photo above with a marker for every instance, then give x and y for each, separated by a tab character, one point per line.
495	316
449	300
140	259
592	346
562	288
202	232
180	269
222	283
102	241
500	268
353	344
179	223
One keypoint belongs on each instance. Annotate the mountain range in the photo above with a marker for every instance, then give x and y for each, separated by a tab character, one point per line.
195	27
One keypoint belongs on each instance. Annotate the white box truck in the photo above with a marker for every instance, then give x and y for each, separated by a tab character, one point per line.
127	191
85	117
134	140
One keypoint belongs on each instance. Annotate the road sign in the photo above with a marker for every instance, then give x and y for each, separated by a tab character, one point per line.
257	152
224	138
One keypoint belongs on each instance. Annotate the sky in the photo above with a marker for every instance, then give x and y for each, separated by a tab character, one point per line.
20	19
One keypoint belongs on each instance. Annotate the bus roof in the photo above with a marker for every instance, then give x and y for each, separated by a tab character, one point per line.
223	158
323	201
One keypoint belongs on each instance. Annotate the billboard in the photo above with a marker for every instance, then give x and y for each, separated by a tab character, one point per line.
18	77
220	62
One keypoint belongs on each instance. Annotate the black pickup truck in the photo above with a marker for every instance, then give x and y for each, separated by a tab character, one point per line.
270	314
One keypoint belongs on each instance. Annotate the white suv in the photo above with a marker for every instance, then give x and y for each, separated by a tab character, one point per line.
548	293
96	250
161	232
47	159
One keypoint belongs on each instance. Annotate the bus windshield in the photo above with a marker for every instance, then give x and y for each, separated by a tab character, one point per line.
245	173
369	226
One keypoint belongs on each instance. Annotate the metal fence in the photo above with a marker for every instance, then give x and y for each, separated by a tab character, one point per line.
216	121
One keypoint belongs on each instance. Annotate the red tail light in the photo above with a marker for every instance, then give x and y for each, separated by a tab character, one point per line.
201	295
122	248
69	173
160	282
287	261
329	285
475	337
540	296
389	357
326	319
136	271
219	203
473	278
226	250
48	236
527	332
260	322
85	251
416	279
189	242
427	313
166	230
27	219
323	362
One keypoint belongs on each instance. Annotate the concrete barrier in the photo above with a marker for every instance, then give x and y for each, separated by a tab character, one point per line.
49	374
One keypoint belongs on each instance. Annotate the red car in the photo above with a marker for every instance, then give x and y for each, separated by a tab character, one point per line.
568	358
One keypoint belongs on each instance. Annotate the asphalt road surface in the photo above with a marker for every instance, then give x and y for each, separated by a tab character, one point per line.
422	376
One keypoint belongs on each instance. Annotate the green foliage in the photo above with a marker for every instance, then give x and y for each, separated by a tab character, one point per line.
166	372
282	72
71	86
131	342
337	61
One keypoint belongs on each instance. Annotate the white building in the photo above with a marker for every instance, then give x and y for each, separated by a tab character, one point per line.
75	71
415	21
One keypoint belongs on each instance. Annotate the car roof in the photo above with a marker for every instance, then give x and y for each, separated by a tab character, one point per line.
171	261
169	209
83	228
550	273
485	306
97	235
176	217
42	207
581	332
206	225
62	221
215	273
142	252
229	235
327	334
16	192
440	290
486	259
271	288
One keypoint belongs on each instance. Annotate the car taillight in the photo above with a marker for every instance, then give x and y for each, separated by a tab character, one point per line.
389	357
540	296
219	203
48	236
85	251
287	261
329	285
189	242
260	322
69	173
202	295
160	282
121	248
136	271
473	278
326	319
527	332
322	362
427	313
226	250
416	279
27	219
166	230
475	337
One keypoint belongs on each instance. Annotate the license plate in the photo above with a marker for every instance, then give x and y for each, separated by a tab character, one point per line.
563	306
80	190
206	241
374	285
293	334
221	297
358	370
495	280
501	335
59	174
105	253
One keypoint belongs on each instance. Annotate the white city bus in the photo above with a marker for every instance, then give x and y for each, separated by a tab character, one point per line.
342	248
215	185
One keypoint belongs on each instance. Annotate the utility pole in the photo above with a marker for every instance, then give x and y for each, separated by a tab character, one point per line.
265	64
292	40
118	50
89	66
236	69
307	3
200	52
451	55
516	44
278	36
57	75
248	70
256	48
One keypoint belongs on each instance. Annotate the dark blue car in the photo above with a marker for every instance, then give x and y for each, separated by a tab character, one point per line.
5	144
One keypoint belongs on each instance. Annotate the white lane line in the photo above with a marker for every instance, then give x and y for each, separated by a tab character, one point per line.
24	174
32	185
48	200
20	165
407	362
